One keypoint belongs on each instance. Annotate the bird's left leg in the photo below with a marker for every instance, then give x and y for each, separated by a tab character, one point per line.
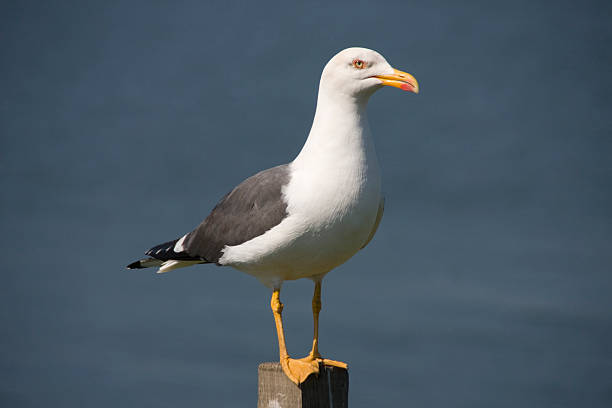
296	370
316	309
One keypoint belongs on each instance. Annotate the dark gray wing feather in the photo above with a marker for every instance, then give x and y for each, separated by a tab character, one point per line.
248	211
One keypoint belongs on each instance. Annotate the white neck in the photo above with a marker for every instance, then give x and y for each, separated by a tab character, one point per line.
339	131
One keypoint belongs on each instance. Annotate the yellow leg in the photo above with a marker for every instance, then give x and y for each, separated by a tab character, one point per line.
314	353
296	370
316	308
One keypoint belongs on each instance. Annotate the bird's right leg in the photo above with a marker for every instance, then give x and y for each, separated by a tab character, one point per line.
314	353
296	370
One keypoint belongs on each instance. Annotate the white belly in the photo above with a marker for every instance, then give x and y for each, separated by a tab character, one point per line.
331	213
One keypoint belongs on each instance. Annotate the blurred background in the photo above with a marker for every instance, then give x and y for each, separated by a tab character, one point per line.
489	281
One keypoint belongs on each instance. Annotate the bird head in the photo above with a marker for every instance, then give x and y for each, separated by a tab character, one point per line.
359	72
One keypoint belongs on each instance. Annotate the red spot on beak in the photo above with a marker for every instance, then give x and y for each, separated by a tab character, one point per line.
407	87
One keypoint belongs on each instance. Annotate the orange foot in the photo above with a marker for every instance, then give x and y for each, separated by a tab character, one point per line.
317	357
298	370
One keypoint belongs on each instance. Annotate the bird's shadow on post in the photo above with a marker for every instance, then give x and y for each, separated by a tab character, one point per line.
328	389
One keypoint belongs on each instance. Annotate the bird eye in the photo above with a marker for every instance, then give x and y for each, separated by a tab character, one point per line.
359	64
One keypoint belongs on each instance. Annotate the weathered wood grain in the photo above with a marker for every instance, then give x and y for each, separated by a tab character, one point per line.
329	389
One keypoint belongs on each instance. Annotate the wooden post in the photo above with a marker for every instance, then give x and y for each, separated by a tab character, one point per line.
329	389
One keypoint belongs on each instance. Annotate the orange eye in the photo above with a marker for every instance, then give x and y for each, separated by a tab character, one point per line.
359	64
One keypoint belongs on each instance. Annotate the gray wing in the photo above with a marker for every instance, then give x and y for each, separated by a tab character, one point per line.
248	211
381	210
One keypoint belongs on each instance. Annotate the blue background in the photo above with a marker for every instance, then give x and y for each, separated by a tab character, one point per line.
489	281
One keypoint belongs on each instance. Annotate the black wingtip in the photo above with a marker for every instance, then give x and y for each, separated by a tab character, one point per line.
163	251
135	265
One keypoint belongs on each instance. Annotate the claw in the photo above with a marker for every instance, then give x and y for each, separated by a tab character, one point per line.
334	363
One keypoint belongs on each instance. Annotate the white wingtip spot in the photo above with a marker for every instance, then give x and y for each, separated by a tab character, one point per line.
179	245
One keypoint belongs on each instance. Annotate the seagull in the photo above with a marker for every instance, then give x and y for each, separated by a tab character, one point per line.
304	218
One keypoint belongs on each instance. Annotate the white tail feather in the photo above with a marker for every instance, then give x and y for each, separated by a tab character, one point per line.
171	265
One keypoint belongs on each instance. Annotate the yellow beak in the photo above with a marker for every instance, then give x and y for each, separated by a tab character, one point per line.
401	80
